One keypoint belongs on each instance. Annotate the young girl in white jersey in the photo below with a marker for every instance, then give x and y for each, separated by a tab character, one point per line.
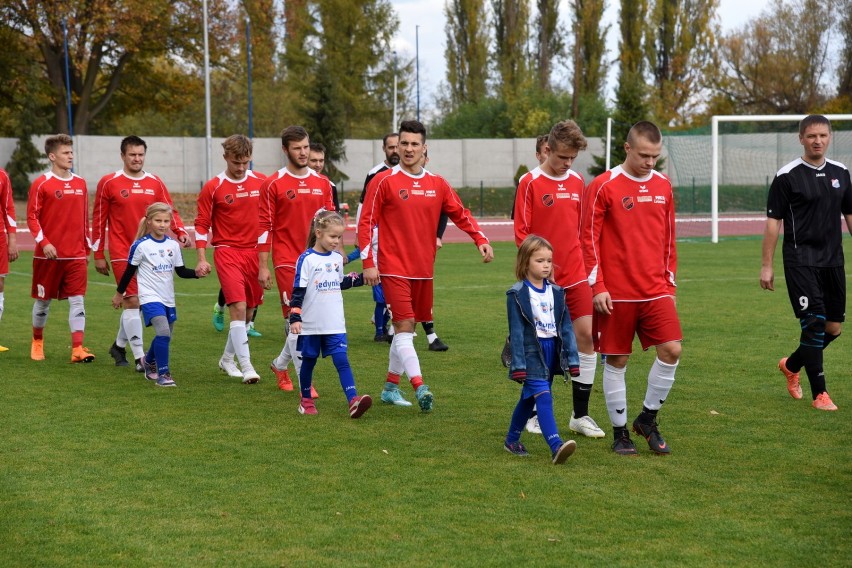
316	310
156	256
542	344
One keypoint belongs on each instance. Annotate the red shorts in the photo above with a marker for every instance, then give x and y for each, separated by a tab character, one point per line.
59	279
654	321
578	298
118	268
237	269
408	298
285	277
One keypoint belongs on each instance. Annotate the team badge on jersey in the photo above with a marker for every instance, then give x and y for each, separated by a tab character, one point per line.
57	194
291	194
229	199
403	194
124	193
547	199
627	202
328	267
835	183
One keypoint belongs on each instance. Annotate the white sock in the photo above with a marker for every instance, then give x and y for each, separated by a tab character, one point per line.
403	342
2	302
430	337
121	336
41	309
131	321
292	339
661	377
76	313
239	339
615	394
588	365
394	362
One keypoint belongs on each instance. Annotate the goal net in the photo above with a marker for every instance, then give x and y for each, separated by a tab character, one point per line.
722	177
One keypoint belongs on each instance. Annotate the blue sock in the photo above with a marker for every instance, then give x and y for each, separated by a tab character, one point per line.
344	371
522	413
544	403
379	318
306	375
160	348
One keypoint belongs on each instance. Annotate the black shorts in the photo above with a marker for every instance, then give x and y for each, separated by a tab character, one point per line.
815	290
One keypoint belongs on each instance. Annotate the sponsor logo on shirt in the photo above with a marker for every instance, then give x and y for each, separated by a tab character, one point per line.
254	193
643	189
431	193
820	175
416	184
560	187
149	192
136	184
547	200
304	190
644	198
660	199
417	192
316	191
627	202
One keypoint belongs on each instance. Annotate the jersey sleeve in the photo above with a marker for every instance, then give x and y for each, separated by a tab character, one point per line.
34	205
523	209
7	203
100	214
369	216
778	199
204	216
591	226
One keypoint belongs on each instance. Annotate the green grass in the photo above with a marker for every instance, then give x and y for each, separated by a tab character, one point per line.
100	468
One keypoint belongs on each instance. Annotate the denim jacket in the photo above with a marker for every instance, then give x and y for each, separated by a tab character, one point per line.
527	357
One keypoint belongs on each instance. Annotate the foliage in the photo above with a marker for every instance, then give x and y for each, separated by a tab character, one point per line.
103	469
766	69
511	37
466	52
589	75
549	46
520	172
681	44
25	160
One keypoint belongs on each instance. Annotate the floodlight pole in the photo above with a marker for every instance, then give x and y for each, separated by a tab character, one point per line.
395	115
608	140
250	96
417	66
208	135
67	77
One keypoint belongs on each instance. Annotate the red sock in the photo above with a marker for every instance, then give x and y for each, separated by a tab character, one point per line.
416	382
393	378
38	333
76	339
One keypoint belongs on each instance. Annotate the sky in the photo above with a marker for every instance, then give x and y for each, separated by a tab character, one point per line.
429	16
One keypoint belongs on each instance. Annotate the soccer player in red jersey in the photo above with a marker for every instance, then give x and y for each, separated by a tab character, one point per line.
58	218
289	199
121	199
809	196
228	206
548	204
9	238
406	204
629	249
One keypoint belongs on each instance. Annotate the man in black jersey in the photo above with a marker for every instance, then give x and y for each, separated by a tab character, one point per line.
808	195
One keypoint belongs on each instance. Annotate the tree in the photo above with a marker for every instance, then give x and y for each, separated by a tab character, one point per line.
589	52
768	69
548	42
630	95
104	39
466	53
511	37
681	45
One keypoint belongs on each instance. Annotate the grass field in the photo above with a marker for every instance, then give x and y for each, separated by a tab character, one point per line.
100	468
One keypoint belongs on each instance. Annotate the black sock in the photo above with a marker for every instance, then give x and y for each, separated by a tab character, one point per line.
828	339
647	416
795	362
813	366
254	315
221	300
428	327
580	393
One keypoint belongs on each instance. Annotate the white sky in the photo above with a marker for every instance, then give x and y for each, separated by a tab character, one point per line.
429	16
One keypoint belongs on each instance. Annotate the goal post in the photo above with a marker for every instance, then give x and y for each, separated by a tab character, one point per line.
715	157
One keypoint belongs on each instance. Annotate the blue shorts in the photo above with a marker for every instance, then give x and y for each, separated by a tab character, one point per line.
378	294
312	345
154	309
533	387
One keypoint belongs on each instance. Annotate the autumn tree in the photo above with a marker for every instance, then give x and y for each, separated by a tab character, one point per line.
511	38
466	52
589	75
105	39
548	41
680	45
777	62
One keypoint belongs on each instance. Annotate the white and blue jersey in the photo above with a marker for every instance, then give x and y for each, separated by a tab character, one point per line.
156	262
321	274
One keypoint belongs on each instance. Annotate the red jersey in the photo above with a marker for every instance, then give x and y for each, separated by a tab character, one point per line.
7	203
230	208
120	203
287	205
550	208
629	236
58	215
407	209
